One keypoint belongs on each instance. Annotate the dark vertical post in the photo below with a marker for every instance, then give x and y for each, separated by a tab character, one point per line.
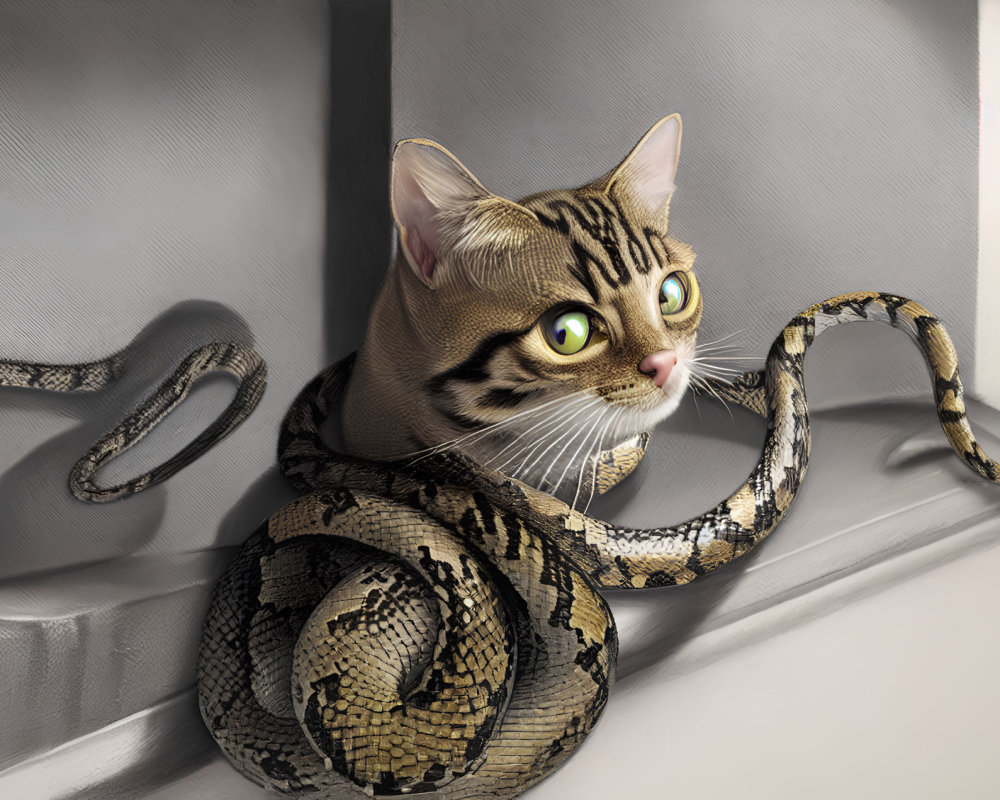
358	218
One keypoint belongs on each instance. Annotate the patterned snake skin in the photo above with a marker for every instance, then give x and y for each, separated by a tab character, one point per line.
236	359
443	625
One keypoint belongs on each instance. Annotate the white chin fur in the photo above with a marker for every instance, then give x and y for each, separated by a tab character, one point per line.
639	420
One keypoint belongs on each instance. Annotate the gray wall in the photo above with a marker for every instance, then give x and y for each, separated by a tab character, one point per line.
828	147
165	171
152	155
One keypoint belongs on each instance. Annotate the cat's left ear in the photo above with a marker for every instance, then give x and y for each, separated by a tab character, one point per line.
646	176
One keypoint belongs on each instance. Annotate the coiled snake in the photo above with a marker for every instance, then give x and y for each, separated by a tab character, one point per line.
435	626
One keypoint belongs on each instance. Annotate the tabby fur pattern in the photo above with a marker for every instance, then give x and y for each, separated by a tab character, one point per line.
455	352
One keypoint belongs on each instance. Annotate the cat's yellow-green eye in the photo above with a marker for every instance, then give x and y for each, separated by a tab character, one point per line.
568	333
673	294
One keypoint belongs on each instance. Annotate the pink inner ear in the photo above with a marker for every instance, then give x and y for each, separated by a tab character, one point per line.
420	251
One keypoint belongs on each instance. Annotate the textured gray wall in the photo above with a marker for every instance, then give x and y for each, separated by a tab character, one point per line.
828	147
167	172
164	180
153	154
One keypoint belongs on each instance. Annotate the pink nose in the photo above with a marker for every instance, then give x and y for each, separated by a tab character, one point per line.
658	366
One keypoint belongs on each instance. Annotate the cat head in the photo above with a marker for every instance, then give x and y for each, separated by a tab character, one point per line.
571	305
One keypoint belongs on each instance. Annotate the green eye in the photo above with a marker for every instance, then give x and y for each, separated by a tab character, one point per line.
568	333
673	294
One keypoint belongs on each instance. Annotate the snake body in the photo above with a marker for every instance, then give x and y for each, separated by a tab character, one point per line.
233	358
434	626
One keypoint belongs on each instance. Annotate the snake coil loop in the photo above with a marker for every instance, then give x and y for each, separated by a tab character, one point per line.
414	662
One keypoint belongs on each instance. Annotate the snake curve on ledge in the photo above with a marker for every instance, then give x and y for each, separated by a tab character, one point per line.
465	648
234	358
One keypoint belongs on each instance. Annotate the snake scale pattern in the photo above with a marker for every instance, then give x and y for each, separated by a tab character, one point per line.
236	359
432	626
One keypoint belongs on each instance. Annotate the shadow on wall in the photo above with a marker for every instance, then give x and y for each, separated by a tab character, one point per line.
359	226
45	527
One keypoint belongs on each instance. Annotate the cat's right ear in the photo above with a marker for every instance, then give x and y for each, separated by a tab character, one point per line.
646	176
431	194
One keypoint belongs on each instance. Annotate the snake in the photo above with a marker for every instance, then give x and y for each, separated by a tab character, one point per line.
234	358
433	626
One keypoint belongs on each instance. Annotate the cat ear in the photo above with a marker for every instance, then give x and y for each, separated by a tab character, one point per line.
647	174
431	192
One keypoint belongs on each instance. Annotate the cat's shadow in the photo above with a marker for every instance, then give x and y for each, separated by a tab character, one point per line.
44	527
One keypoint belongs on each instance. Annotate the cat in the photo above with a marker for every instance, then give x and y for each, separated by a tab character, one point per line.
418	620
529	335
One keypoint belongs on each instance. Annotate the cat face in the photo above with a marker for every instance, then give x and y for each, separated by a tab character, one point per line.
544	330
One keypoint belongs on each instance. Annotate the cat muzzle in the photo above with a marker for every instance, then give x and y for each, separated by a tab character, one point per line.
659	366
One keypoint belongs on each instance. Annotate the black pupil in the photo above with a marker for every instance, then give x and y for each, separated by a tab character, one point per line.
561	335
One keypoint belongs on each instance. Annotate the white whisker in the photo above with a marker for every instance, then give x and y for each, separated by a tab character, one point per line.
703	384
552	425
572	433
584	440
561	413
493	427
727	351
717	367
593	457
725	338
706	366
593	478
522	470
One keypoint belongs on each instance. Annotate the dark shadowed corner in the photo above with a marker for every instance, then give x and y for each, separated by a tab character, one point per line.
358	219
